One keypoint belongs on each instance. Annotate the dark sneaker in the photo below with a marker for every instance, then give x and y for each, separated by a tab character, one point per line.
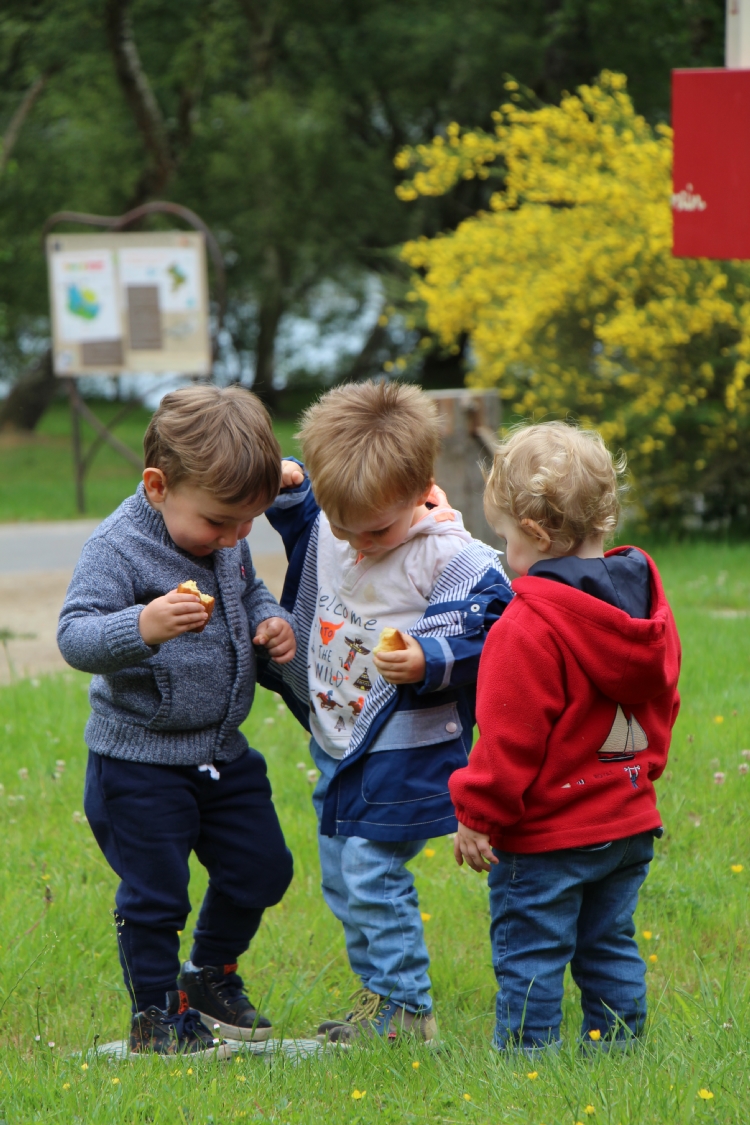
176	1031
375	1015
219	996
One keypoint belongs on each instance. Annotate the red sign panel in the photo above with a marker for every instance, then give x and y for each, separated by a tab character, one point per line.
711	171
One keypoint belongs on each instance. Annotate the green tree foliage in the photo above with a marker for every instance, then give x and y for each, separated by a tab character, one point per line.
278	121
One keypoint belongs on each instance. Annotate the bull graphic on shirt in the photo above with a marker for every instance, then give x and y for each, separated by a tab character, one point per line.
328	630
626	739
355	648
327	702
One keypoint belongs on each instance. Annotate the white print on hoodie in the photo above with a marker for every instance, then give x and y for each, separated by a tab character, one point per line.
357	598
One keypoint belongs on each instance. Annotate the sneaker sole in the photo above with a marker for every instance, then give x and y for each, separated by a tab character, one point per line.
231	1031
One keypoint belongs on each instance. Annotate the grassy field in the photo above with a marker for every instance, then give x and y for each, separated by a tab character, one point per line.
40	465
61	990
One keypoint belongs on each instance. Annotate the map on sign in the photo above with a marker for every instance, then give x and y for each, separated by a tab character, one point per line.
129	302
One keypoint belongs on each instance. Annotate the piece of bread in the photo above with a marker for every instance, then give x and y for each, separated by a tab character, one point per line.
390	640
191	587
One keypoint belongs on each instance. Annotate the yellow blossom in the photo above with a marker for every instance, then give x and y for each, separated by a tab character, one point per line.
115	1081
567	289
429	852
705	1094
190	1070
66	1085
589	1110
737	867
84	1066
653	958
595	1035
647	934
467	1097
533	1074
718	718
415	1065
425	917
358	1094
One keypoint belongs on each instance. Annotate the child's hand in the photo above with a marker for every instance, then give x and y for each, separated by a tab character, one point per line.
407	666
474	847
291	474
170	616
278	637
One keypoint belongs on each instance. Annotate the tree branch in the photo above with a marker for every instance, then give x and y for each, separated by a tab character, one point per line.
18	118
140	97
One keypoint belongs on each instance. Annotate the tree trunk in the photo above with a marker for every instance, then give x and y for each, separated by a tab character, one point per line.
30	396
269	317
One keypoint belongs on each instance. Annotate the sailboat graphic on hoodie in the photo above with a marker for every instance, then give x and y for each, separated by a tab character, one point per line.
626	739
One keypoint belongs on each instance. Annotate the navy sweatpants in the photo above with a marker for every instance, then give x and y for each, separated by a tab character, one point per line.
147	819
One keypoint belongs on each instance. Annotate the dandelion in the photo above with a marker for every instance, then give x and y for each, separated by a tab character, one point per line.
467	1097
115	1081
425	917
718	719
589	1110
358	1094
705	1094
84	1066
66	1085
532	1075
737	867
647	934
719	777
415	1065
653	958
429	852
595	1034
190	1070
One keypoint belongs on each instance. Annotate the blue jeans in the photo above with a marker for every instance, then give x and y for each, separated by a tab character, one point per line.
368	887
574	906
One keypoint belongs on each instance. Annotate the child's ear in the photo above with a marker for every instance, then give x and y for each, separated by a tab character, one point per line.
535	531
425	495
155	484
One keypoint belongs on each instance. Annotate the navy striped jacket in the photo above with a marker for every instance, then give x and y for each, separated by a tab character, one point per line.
407	741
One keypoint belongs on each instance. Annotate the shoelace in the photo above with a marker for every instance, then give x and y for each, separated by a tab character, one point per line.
367	1005
185	1024
230	989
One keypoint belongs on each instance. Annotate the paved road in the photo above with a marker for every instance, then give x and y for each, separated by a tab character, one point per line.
27	547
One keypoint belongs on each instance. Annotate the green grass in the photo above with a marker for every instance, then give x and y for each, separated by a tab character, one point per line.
40	466
60	978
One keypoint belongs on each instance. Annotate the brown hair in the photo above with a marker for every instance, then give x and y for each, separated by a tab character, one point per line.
562	477
219	439
369	445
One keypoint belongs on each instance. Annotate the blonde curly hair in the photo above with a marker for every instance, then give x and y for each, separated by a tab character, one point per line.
559	475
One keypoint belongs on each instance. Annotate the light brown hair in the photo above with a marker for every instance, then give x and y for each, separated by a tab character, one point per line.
219	439
562	477
368	446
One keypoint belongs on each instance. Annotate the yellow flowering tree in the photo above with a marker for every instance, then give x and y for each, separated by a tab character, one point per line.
573	304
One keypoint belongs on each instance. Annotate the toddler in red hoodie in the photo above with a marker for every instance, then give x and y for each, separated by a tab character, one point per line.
576	700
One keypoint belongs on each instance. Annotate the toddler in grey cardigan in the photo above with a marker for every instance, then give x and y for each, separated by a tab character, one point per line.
169	769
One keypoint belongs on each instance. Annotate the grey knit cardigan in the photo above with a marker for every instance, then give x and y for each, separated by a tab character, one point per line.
180	703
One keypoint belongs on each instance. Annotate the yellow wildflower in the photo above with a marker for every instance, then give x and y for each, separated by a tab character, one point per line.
415	1065
595	1035
647	934
718	718
589	1110
705	1094
358	1094
66	1085
653	958
467	1097
115	1081
737	867
533	1074
429	852
425	917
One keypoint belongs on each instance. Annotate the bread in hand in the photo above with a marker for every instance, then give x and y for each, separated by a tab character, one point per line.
191	587
390	640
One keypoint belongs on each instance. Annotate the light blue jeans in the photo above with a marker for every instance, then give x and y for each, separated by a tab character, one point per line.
371	891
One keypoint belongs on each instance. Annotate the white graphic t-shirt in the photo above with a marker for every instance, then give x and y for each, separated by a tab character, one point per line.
357	599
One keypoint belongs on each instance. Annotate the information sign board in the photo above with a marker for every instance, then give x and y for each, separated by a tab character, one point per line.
128	303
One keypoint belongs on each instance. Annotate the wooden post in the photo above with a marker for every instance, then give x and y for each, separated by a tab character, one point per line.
75	429
737	42
469	423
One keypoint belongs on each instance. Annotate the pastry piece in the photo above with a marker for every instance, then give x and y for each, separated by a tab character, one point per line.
207	601
390	640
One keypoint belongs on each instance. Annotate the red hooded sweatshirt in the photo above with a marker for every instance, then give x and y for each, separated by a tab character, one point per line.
576	700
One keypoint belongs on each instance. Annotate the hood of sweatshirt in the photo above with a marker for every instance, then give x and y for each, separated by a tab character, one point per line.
612	616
